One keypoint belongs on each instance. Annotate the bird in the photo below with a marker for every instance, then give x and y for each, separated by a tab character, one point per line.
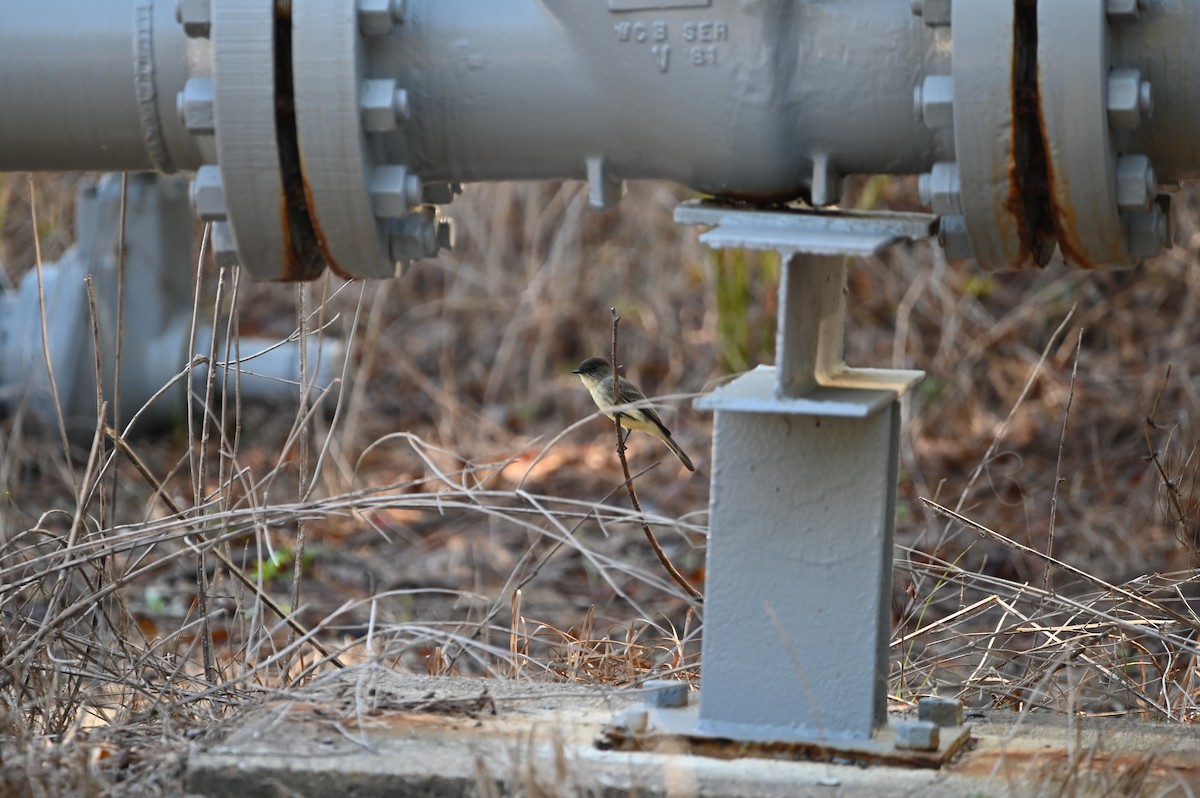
597	375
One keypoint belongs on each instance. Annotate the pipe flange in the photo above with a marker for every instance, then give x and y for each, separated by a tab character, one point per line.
353	192
990	141
1074	66
244	106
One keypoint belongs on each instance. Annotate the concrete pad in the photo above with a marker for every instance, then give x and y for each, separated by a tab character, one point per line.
370	732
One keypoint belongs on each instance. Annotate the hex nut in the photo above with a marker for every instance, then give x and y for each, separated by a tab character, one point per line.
440	193
382	105
195	16
195	106
917	735
941	189
393	191
420	234
208	194
1136	182
955	238
1129	98
1124	10
1147	232
224	251
935	13
935	101
940	711
379	17
665	693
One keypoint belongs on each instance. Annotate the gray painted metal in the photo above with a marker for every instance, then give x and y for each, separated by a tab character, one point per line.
809	450
1073	67
797	599
761	101
985	131
91	85
157	323
340	162
247	138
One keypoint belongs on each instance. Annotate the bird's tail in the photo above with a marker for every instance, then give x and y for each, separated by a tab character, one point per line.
683	458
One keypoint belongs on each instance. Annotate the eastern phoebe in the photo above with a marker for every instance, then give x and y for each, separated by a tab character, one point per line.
597	376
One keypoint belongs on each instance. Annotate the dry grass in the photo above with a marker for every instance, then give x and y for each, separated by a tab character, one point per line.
462	512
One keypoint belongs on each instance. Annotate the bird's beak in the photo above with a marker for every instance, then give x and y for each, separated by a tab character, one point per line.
576	371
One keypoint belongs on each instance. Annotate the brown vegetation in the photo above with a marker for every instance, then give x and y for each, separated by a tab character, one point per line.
464	510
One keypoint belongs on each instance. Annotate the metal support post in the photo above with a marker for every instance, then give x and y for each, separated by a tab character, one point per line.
797	611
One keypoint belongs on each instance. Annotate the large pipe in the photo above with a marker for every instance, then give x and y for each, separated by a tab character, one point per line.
91	85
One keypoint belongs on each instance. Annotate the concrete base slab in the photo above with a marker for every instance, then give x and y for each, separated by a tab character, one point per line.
370	732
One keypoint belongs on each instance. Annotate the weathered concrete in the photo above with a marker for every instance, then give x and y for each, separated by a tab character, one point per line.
374	733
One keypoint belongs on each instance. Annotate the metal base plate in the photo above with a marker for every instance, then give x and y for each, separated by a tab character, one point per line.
675	731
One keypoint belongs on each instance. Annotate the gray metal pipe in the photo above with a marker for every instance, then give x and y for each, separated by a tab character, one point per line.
734	99
91	85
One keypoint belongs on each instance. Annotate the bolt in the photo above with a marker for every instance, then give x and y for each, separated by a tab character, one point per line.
665	693
195	16
444	238
1129	98
195	106
224	251
1125	10
382	105
940	711
1136	183
917	735
420	234
440	193
208	194
379	17
954	238
934	100
936	13
1147	232
393	191
941	189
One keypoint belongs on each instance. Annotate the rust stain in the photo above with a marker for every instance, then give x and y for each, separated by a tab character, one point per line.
620	739
1027	202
